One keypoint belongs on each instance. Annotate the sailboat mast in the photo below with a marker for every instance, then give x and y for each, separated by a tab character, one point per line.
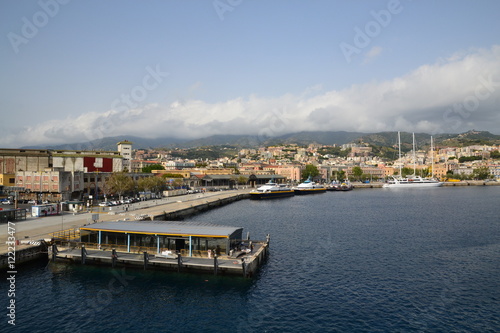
432	158
399	146
414	157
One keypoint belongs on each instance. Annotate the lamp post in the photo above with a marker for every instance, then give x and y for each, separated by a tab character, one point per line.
62	217
96	185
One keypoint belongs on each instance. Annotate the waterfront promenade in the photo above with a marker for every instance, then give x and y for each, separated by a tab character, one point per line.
36	228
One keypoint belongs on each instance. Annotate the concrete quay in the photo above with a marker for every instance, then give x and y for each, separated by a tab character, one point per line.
461	183
35	229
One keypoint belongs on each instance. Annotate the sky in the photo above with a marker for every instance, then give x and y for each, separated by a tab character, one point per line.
75	71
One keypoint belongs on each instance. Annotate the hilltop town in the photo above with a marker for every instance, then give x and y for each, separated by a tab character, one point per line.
89	176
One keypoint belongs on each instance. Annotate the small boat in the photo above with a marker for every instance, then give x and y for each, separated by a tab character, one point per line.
344	186
271	190
309	187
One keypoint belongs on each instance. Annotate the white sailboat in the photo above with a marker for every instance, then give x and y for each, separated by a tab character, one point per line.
414	180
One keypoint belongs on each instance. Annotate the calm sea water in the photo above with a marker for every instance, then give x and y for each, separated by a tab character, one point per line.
374	260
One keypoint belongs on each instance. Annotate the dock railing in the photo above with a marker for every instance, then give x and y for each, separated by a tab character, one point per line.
66	235
70	239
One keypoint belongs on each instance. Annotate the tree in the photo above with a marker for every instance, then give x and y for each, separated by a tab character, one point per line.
406	171
495	154
426	172
242	180
151	184
341	175
172	175
481	173
357	172
310	171
120	183
149	168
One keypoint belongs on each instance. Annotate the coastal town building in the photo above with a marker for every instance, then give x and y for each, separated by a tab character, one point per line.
125	150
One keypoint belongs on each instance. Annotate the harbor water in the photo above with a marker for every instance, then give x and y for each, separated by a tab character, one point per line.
370	260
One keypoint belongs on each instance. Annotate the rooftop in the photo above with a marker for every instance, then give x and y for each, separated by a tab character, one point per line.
165	228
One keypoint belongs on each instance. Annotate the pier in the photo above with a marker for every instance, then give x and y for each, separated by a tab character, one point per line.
31	232
245	266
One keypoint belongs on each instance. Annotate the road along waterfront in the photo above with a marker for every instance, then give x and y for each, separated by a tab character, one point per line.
35	229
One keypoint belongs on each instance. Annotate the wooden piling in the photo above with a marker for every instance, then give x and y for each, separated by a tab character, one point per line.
84	254
146	260
54	252
216	264
179	261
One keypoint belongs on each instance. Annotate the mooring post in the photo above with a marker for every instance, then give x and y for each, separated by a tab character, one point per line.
84	254
244	266
216	263
268	238
113	257
179	261
54	252
146	260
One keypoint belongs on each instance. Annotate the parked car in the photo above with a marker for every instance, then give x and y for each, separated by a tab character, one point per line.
7	202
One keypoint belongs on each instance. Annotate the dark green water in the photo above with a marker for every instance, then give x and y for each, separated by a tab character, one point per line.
374	260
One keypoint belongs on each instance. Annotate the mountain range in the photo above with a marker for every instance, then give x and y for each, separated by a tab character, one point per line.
383	139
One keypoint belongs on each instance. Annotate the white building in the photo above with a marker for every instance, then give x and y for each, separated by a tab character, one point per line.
125	149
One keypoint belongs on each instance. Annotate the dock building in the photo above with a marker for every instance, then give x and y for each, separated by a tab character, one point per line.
158	236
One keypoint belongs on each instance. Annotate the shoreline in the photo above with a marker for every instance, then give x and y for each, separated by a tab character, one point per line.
34	229
461	183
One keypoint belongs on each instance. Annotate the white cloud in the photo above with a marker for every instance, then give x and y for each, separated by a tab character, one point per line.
372	54
451	95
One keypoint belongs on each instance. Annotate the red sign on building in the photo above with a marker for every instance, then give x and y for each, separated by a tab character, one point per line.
101	164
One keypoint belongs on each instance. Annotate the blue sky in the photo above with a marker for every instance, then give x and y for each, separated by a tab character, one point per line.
75	71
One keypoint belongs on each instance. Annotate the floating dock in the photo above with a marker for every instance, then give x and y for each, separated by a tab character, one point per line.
174	246
245	266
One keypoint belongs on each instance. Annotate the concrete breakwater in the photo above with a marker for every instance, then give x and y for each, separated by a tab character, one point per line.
32	252
197	207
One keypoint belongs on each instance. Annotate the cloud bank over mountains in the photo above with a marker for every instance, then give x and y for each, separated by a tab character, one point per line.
451	95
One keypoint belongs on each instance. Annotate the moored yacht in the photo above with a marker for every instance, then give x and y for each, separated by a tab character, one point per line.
271	190
309	187
412	181
343	186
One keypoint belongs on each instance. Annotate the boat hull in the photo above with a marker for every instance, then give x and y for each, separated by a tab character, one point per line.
309	191
350	188
271	195
412	185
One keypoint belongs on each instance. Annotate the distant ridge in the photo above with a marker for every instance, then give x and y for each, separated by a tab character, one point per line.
382	139
109	143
